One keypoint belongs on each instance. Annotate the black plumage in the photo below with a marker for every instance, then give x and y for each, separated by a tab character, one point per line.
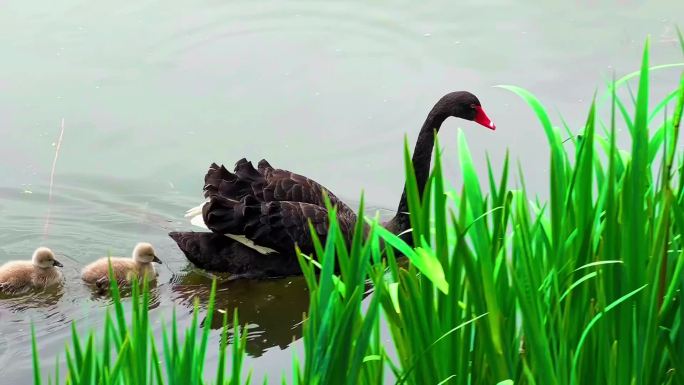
273	207
216	252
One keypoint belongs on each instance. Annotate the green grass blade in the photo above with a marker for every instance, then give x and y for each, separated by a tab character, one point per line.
34	355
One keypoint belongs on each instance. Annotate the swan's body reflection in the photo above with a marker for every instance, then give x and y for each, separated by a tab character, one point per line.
273	310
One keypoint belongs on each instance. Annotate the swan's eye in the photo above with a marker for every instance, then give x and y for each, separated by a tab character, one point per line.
473	106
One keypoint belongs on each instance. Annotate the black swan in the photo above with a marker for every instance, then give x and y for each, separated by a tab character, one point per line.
257	215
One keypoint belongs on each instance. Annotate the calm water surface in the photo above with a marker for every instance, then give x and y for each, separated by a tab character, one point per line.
152	92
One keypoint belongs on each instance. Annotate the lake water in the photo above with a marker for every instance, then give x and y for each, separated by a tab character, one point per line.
152	92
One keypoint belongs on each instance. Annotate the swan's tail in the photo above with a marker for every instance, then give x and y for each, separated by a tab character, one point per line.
190	244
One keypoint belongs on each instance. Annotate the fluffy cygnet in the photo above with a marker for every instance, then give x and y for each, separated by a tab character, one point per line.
124	269
39	273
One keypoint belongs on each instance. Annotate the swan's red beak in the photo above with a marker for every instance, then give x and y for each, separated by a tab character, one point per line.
483	119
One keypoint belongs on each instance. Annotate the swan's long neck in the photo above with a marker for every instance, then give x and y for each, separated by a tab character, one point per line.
422	154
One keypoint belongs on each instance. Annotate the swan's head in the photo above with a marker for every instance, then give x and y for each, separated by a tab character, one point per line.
144	253
464	105
44	258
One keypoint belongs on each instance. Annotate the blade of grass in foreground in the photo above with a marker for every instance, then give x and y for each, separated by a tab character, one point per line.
558	162
34	355
482	243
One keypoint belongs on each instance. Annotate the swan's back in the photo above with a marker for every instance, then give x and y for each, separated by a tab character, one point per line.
272	208
268	184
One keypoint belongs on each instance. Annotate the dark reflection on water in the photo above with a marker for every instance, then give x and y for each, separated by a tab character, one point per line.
272	310
104	296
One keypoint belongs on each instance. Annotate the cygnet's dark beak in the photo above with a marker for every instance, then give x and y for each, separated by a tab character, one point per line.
57	263
157	260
